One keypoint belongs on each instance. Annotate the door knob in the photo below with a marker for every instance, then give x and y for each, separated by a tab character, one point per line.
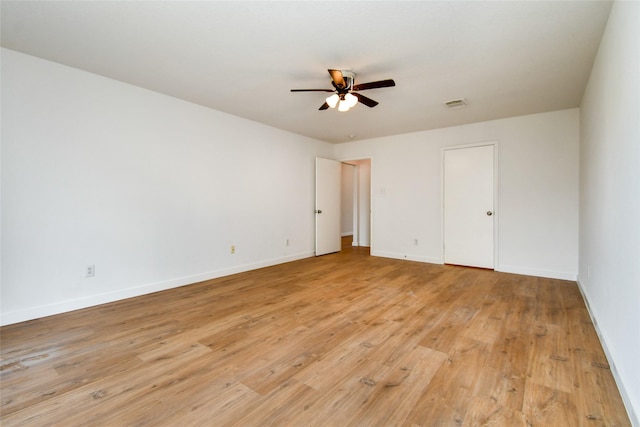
489	213
318	211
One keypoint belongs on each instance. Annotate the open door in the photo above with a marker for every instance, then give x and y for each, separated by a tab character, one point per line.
328	194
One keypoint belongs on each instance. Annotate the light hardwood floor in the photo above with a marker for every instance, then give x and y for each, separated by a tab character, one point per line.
340	340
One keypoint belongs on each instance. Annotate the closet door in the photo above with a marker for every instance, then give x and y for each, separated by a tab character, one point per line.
469	206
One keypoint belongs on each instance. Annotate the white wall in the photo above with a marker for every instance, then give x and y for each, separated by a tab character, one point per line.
537	212
151	189
610	198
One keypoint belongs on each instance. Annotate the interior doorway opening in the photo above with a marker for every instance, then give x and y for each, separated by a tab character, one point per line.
356	202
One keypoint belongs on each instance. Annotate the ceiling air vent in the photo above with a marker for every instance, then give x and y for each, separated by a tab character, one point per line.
456	103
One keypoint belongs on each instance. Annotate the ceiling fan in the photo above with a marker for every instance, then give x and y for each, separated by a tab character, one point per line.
346	92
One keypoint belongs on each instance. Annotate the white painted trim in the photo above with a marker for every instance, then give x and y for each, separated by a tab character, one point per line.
425	259
561	275
496	198
633	417
93	300
526	271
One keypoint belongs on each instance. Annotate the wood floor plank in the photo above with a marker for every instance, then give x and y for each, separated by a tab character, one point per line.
449	328
551	363
547	406
448	395
501	388
108	395
339	364
488	413
592	371
343	339
342	401
489	323
394	397
288	403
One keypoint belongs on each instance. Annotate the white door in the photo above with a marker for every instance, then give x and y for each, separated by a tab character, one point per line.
468	206
328	194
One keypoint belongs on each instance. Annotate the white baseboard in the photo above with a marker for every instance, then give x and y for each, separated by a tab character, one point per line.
430	260
93	300
550	274
633	416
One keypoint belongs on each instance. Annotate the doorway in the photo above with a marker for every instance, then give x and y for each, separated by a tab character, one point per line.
343	205
356	201
469	205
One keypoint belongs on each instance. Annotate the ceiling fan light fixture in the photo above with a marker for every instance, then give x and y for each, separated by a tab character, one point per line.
351	100
332	101
344	106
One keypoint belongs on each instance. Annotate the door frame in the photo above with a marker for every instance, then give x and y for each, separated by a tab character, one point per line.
496	207
356	199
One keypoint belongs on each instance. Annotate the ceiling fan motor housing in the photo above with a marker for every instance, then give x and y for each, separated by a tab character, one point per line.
348	77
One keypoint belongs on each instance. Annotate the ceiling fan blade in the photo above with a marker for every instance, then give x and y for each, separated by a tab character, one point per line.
312	90
366	101
324	106
375	85
338	79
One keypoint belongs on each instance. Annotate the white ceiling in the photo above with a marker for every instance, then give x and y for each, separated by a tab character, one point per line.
506	58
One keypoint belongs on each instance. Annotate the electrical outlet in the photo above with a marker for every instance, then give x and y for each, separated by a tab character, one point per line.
415	242
287	242
90	271
233	249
